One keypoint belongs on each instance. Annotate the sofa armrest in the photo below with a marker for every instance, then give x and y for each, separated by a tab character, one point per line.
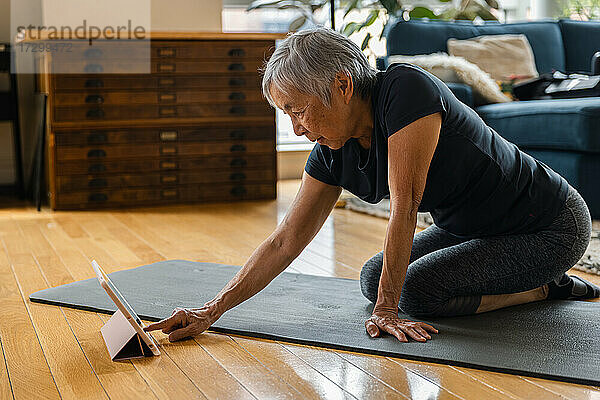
463	92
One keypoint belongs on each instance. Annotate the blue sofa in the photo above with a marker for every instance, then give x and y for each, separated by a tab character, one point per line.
564	134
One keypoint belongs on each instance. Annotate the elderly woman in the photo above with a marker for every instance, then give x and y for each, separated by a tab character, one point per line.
507	227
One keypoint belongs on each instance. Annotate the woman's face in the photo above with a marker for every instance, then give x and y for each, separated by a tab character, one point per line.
329	126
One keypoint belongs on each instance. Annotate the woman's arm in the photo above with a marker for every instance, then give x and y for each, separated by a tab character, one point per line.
306	215
410	151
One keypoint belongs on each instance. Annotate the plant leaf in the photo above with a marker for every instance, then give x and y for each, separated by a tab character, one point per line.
297	23
422	12
371	18
351	7
465	15
481	11
448	14
365	42
391	6
263	3
350	28
493	4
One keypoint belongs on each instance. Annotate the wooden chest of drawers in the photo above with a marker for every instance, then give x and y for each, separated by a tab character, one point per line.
196	128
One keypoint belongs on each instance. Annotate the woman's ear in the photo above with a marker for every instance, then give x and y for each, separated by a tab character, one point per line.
344	85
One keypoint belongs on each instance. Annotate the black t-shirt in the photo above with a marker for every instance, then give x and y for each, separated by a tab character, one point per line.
478	183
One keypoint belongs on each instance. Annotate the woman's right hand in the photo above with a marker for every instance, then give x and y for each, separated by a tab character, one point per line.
185	322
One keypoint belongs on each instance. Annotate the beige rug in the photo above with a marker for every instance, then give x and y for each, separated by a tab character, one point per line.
590	262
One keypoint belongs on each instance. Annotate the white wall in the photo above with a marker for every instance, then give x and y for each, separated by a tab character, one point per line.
157	15
187	15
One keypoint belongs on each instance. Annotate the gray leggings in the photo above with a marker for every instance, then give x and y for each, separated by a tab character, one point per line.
447	275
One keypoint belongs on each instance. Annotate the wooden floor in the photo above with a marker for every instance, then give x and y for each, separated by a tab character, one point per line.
52	352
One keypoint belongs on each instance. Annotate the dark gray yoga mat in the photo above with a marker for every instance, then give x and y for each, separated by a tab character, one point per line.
556	339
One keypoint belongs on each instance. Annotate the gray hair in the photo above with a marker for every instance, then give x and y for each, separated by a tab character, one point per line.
309	60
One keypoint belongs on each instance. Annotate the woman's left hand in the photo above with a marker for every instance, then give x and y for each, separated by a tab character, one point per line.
389	322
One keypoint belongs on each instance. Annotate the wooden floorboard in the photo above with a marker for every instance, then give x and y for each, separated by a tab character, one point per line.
53	352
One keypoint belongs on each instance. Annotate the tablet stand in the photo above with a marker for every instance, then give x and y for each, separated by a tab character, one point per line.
122	341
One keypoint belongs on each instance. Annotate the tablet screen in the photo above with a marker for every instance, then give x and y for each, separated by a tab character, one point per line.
122	299
118	294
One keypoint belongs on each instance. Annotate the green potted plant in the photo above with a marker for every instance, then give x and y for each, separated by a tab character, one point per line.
385	9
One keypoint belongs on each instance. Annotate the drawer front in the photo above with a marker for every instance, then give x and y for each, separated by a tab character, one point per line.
166	135
100	50
157	66
96	97
78	183
86	82
155	150
162	195
110	50
109	113
212	49
230	163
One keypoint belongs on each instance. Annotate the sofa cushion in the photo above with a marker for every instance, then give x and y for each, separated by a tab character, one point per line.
419	36
565	124
501	56
485	89
582	40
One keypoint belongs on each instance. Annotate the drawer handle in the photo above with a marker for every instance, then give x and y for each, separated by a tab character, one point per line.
97	168
238	162
166	82
237	148
237	82
169	194
167	97
94	83
237	96
236	67
168	165
166	67
98	197
236	53
237	110
95	113
238	191
96	153
167	111
92	53
97	183
94	98
97	138
168	179
93	68
168	136
237	134
237	176
166	52
168	150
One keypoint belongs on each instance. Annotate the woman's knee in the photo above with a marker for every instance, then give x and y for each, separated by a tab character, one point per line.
370	275
418	299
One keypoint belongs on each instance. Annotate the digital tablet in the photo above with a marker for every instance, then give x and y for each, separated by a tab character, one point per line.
124	307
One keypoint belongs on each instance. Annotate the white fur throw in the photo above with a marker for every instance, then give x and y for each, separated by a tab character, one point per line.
445	67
